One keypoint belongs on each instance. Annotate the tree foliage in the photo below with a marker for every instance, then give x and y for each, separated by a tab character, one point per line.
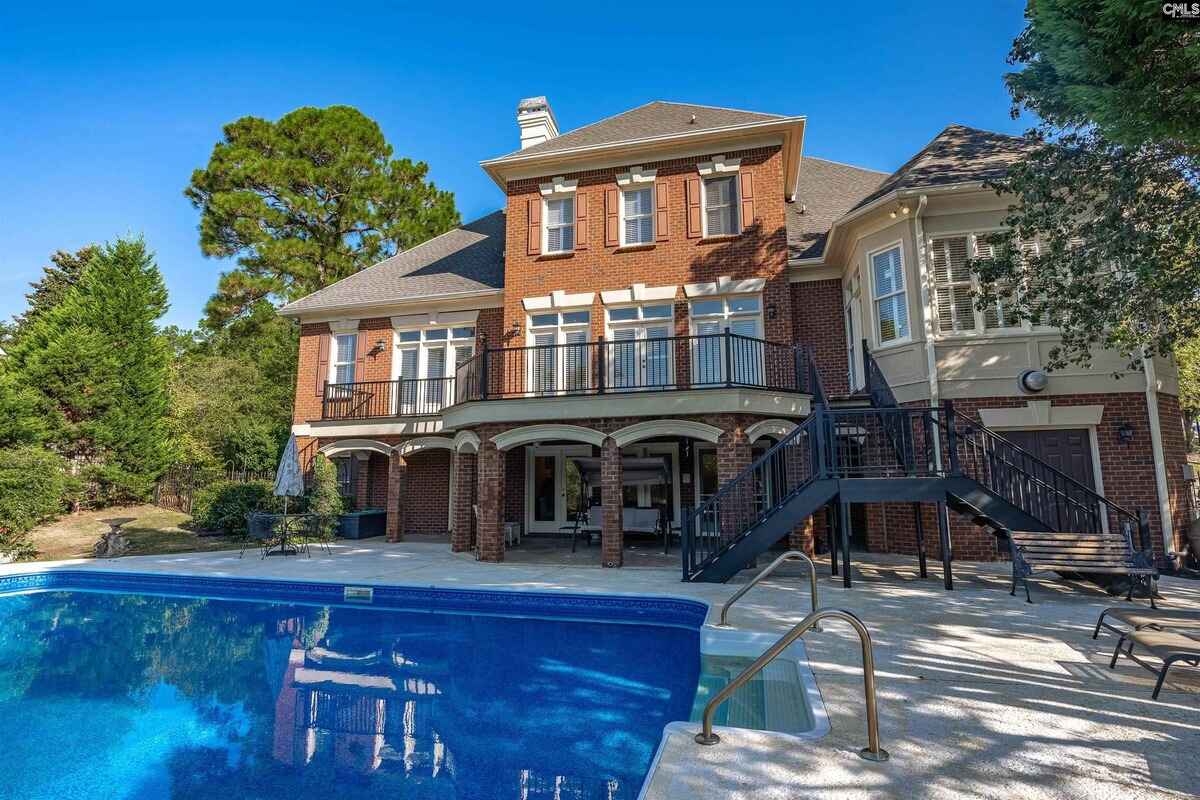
33	488
1103	238
306	201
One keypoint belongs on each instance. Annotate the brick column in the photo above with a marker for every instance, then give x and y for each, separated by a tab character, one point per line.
733	456
804	536
397	478
465	468
490	492
612	503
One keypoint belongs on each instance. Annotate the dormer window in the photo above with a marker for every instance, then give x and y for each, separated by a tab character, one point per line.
637	216
720	206
560	225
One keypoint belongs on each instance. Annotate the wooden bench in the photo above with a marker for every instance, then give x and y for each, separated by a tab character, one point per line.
1097	553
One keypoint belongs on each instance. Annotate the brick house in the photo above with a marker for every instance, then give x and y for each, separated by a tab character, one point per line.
668	295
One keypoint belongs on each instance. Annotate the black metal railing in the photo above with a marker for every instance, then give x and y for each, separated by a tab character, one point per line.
785	469
403	397
636	365
881	443
875	382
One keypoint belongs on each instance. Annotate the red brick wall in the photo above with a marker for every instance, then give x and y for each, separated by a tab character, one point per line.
818	321
759	251
427	495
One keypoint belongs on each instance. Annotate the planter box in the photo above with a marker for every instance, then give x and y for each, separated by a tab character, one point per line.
362	524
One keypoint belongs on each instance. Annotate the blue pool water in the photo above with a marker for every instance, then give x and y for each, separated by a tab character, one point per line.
128	695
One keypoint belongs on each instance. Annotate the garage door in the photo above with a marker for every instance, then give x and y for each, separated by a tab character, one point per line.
1068	451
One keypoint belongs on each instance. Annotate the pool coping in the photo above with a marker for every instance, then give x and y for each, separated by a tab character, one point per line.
714	640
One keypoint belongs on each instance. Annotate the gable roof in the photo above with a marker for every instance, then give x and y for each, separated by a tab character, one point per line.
825	191
956	155
469	258
656	118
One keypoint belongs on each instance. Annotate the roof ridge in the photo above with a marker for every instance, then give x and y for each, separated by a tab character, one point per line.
582	127
842	164
721	108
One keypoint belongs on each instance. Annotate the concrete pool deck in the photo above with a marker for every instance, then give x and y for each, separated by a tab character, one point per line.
981	695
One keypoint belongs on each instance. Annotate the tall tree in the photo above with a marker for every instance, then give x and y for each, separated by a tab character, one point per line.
64	271
101	367
1104	236
307	201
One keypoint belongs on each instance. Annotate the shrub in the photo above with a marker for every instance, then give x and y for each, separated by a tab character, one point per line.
110	485
33	488
223	506
324	499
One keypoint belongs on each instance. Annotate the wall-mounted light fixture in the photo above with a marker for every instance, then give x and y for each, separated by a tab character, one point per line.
515	330
377	348
772	311
1125	432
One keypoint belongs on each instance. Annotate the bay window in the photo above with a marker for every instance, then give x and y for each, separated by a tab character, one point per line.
889	295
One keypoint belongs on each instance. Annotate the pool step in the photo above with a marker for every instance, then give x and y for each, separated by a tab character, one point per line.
774	700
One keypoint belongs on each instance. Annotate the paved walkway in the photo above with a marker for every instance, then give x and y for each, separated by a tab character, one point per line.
981	694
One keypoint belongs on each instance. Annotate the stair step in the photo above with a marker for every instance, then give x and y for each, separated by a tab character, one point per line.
773	700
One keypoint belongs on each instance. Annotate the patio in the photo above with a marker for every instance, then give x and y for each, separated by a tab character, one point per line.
981	694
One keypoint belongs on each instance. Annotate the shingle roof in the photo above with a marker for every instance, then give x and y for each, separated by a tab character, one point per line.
657	118
956	155
826	190
466	259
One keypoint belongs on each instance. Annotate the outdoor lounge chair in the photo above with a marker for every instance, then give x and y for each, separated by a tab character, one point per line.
1167	646
1136	619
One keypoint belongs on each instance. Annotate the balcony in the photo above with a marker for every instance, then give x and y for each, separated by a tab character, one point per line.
624	371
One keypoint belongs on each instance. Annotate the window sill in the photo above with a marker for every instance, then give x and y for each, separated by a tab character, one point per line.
723	237
556	256
632	248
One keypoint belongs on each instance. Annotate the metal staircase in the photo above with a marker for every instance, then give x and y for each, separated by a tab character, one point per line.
889	453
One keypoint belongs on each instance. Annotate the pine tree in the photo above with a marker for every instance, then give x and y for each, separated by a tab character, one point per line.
101	367
64	271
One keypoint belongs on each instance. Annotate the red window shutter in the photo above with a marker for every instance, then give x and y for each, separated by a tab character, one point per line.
361	344
581	221
692	192
534	241
746	195
322	363
662	225
612	221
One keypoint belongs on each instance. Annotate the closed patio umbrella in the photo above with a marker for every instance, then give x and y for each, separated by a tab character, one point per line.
289	482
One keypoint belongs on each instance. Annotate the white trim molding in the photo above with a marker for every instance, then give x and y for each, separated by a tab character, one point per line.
720	165
638	293
436	318
413	446
558	185
466	441
343	326
558	299
666	427
1041	414
351	445
544	433
636	175
777	428
724	285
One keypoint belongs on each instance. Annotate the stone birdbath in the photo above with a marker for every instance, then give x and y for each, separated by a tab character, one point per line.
113	543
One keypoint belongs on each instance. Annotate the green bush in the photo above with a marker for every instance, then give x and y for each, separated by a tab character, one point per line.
33	488
110	485
324	499
223	506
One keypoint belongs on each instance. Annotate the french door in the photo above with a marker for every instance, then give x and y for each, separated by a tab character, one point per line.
553	490
640	357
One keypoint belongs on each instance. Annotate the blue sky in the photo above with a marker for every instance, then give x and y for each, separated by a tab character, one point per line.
106	109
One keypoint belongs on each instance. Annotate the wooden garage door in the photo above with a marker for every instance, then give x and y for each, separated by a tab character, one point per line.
1068	451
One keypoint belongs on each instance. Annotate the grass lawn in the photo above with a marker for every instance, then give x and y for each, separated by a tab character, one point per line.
151	531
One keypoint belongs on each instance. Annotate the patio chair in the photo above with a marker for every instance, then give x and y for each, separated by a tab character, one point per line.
1135	619
313	531
1168	647
260	532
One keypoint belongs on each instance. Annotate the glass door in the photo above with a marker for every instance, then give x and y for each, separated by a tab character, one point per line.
554	491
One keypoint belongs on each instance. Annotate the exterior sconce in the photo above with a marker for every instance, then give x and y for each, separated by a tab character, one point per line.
515	330
1125	433
1032	381
772	311
377	348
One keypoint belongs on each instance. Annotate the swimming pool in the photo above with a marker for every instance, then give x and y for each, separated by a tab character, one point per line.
132	687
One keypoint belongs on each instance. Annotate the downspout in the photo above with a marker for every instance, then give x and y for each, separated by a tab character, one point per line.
1160	461
926	301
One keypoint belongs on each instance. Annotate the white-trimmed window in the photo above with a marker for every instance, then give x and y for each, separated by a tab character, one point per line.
890	300
560	225
955	287
741	316
639	352
426	359
559	360
720	206
345	349
637	215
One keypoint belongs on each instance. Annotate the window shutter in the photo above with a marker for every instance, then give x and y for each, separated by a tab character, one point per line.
534	242
581	221
612	218
322	363
692	194
662	226
362	343
747	198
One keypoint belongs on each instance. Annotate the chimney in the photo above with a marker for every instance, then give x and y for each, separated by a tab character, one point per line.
536	121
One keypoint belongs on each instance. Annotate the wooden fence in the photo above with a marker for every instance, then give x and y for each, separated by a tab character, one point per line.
177	488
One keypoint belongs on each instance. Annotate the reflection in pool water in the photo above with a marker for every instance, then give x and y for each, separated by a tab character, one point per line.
127	696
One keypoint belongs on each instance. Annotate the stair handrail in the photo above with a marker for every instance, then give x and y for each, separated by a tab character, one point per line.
875	382
1120	511
816	386
872	752
790	555
813	423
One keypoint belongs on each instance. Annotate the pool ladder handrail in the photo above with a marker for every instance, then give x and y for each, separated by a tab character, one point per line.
872	752
790	555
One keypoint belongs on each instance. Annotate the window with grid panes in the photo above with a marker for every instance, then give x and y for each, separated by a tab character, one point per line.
560	225
720	206
637	216
890	300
